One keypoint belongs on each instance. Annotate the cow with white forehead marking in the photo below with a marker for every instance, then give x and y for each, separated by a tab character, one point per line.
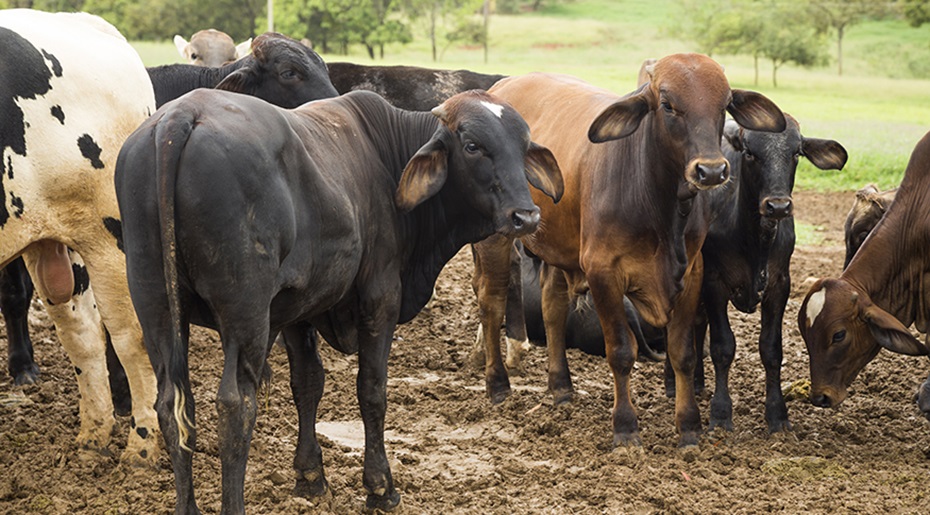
846	321
78	91
339	218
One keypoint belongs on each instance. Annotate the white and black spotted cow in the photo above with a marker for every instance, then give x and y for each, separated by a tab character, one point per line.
78	91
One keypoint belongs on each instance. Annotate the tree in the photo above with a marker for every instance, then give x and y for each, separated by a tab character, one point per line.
787	36
916	12
839	15
452	20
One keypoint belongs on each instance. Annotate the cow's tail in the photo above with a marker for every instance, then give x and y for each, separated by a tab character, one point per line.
172	134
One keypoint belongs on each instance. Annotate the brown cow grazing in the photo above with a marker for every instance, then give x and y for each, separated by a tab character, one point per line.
846	321
868	208
631	221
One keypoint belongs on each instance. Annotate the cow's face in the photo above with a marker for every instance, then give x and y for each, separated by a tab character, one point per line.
281	71
483	150
770	159
843	331
207	47
868	208
688	96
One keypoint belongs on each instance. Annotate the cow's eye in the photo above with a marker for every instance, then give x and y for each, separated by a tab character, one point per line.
749	155
288	74
839	336
194	56
471	147
667	106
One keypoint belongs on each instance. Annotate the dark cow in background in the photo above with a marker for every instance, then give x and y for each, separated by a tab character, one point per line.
78	90
211	47
748	250
408	87
281	71
846	321
340	216
632	219
868	208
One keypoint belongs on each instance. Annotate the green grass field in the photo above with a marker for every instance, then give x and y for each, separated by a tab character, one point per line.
874	109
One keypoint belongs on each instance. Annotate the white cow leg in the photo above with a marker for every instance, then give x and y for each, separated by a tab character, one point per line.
112	293
81	333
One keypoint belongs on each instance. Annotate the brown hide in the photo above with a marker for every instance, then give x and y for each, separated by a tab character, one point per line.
632	218
846	321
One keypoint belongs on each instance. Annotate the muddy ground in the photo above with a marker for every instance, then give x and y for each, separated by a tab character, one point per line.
452	452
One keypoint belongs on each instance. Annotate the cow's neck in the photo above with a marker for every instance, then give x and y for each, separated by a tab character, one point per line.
892	268
435	230
173	80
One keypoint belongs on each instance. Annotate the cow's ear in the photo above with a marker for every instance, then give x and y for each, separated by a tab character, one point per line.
243	49
756	112
891	334
181	44
622	118
239	81
542	171
733	133
826	154
424	175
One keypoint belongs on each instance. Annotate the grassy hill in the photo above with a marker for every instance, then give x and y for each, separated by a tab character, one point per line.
877	110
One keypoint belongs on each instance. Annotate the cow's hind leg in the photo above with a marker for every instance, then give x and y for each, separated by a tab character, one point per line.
105	266
81	334
923	398
15	296
554	291
307	380
245	345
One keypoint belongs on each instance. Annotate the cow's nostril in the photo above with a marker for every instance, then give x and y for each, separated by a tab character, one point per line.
525	220
711	175
778	208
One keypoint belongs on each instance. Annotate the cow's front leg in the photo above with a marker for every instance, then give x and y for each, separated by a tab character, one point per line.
307	380
490	283
923	398
770	349
15	296
554	291
515	316
722	351
620	349
81	334
683	356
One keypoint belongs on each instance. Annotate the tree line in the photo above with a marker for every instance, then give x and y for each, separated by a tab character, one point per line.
781	31
331	25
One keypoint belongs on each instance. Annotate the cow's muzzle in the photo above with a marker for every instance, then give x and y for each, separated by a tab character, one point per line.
776	207
709	174
523	221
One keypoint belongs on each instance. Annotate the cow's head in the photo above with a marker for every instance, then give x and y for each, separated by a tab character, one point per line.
868	208
482	149
211	47
689	96
281	71
770	159
843	331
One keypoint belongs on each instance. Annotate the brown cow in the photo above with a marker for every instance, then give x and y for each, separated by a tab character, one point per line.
631	221
846	321
211	48
868	208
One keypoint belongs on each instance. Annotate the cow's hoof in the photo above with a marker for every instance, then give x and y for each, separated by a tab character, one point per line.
777	426
562	397
312	484
388	503
141	452
30	375
689	439
627	439
499	395
723	423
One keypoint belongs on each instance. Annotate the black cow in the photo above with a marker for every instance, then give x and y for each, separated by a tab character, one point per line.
408	87
747	252
341	216
280	70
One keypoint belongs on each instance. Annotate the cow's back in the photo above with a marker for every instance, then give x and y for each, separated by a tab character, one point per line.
559	110
79	91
